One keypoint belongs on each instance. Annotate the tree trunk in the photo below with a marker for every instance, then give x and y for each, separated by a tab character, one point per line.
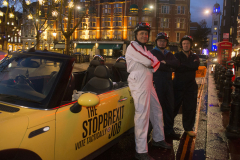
38	41
67	45
5	44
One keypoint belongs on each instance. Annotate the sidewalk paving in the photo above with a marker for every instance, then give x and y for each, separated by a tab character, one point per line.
218	146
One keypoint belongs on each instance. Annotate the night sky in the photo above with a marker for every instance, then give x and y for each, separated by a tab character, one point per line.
197	8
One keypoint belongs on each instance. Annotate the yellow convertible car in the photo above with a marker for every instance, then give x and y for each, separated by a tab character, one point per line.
49	112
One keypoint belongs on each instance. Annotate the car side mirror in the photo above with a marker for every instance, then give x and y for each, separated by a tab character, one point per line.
88	100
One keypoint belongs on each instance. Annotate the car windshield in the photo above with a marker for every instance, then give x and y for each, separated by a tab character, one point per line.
203	56
27	78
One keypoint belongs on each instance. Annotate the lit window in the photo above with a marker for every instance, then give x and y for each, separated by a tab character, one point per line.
132	21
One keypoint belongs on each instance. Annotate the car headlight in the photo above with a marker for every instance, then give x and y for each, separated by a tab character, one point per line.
215	59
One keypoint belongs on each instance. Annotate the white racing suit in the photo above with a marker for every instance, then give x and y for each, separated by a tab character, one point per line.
141	64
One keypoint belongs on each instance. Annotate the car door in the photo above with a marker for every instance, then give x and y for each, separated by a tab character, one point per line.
79	134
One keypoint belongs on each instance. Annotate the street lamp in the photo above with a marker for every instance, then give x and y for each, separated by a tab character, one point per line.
54	33
195	44
54	13
5	3
30	16
70	4
28	2
11	15
41	2
207	11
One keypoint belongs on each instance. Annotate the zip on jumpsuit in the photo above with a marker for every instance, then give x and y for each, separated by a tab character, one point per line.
141	64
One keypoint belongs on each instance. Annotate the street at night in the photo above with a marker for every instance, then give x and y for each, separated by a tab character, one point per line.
119	80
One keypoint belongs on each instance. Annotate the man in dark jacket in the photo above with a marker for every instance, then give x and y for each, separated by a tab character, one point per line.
163	82
185	86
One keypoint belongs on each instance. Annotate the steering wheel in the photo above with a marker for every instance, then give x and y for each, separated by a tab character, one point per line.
21	79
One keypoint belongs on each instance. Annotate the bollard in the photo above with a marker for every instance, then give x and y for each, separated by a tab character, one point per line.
215	72
221	84
227	90
233	128
218	77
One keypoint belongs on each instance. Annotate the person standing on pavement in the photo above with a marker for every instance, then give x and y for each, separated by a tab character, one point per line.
163	82
141	64
237	61
185	86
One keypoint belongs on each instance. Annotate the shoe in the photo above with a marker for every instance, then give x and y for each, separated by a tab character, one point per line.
191	133
143	156
173	136
162	144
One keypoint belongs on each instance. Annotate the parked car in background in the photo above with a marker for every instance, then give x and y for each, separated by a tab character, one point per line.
203	60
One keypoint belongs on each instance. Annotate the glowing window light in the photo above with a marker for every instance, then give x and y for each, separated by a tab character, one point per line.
1	13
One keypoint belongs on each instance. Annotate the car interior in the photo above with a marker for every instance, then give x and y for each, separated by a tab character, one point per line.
98	78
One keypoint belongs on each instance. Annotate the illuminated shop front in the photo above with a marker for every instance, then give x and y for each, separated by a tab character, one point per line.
110	50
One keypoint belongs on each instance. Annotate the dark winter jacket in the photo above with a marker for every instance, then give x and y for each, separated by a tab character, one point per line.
186	72
165	70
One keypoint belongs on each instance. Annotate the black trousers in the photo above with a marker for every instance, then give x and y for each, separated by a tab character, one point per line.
164	89
187	98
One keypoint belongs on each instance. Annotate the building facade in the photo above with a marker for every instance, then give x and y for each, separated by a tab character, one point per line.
107	26
10	30
229	22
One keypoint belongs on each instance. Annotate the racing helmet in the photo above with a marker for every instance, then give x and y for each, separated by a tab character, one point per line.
161	35
186	37
142	26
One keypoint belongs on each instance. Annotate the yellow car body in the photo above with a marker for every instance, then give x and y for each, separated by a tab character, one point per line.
58	133
68	135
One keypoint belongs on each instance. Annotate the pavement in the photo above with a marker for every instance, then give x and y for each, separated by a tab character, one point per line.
218	146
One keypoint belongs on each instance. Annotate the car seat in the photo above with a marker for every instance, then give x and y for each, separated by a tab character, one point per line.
97	60
101	81
120	70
